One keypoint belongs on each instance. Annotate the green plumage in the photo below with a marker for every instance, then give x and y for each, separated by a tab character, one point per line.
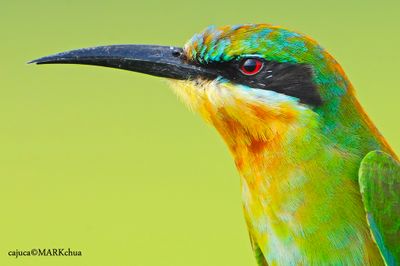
379	179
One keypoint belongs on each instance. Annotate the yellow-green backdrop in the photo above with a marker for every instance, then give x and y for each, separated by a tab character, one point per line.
110	163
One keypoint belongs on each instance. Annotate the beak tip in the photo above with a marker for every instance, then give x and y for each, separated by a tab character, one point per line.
39	61
33	62
46	60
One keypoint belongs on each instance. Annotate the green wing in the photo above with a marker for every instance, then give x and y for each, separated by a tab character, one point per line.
379	179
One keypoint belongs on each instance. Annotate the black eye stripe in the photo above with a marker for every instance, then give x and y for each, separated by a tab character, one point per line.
295	80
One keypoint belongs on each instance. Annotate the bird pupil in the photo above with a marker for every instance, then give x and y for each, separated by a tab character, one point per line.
250	65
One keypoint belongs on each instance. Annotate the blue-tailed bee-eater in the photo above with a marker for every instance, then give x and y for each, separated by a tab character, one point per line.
320	185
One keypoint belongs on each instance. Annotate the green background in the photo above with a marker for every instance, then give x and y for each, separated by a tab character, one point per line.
110	163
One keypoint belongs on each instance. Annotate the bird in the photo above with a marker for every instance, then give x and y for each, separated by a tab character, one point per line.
320	185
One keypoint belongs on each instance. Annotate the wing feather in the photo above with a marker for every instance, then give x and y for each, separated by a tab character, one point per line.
379	179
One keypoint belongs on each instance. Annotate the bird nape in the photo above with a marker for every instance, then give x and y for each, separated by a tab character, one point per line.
320	185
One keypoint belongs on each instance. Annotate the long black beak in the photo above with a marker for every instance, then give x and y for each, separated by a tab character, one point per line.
161	61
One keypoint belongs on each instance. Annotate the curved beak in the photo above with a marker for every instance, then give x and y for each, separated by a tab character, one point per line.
161	61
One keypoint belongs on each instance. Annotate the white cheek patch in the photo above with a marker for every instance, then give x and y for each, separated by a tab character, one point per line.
221	93
258	96
272	97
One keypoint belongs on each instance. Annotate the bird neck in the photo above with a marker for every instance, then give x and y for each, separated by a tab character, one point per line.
299	189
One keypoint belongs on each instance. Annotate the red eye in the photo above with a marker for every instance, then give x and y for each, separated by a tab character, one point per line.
251	66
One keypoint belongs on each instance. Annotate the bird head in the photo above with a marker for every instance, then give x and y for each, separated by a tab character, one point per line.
253	82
